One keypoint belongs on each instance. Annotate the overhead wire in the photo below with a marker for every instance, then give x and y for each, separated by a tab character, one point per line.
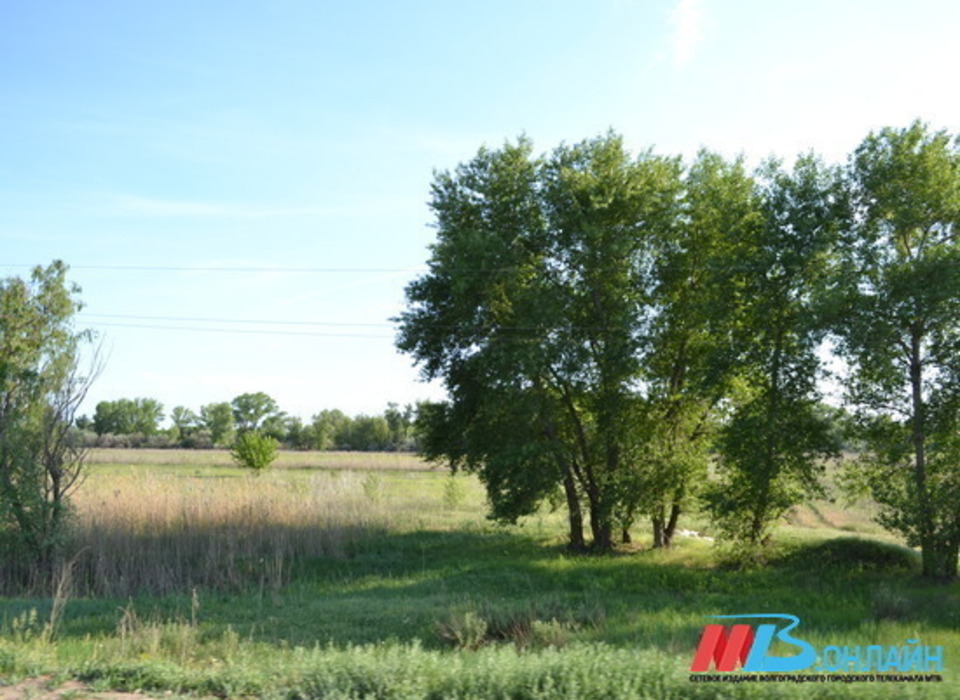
247	321
202	329
206	319
204	268
744	266
137	320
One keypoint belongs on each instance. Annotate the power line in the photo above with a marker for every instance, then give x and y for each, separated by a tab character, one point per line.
263	322
542	328
532	332
201	329
746	266
187	268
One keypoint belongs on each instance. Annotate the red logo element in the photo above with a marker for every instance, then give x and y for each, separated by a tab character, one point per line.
726	650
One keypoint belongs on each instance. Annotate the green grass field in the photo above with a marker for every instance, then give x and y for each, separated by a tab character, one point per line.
376	576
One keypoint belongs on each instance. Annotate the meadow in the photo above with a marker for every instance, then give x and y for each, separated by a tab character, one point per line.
379	576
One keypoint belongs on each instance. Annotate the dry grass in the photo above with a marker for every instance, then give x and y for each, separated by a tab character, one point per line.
167	521
821	514
143	530
287	459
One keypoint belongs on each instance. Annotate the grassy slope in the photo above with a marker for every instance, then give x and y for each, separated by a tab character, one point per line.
424	568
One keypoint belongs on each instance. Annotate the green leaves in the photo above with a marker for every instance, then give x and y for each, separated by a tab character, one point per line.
773	445
537	313
39	394
128	416
254	450
252	411
601	320
898	276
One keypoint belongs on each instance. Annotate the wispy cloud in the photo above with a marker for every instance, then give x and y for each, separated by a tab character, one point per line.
155	207
151	206
687	22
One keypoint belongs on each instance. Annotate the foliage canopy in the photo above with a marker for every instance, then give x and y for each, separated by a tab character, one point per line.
40	391
603	321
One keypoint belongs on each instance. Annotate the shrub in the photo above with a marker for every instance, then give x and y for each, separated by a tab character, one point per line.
453	493
467	631
254	450
848	554
546	624
373	488
888	604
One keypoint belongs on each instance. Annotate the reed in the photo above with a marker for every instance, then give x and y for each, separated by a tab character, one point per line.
286	459
154	532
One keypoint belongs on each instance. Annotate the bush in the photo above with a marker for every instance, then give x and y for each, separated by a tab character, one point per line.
467	631
545	624
852	554
888	604
197	440
254	450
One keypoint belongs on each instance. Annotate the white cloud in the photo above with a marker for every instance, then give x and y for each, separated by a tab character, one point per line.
156	207
687	21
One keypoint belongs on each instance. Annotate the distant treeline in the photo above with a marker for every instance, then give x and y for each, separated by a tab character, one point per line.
138	423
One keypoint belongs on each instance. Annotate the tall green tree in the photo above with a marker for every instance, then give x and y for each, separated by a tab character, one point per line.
533	315
400	422
218	419
184	421
252	411
328	428
690	359
897	320
606	215
474	321
40	391
366	434
128	417
773	447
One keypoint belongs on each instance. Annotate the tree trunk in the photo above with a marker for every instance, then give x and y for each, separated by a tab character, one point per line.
602	530
659	528
771	458
671	526
758	520
946	561
953	558
664	527
601	522
574	514
933	563
601	508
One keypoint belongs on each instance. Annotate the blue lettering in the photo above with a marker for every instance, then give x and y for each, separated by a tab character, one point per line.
935	655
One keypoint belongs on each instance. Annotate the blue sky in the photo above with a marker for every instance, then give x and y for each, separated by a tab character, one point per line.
203	162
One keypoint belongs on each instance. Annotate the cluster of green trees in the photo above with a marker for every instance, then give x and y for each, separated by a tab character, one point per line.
627	334
136	422
623	335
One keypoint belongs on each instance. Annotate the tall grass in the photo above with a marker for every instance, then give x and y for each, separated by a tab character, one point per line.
154	532
286	459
